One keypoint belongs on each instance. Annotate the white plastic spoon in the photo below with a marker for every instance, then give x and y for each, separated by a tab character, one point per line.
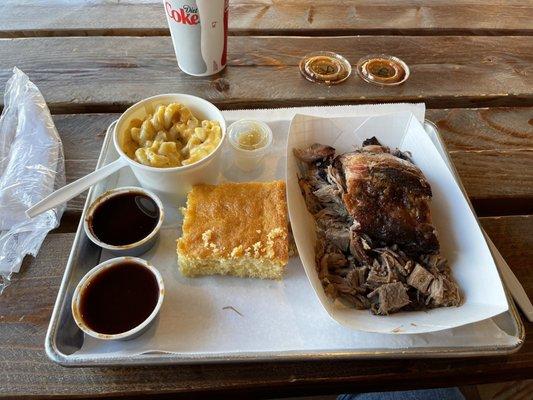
73	189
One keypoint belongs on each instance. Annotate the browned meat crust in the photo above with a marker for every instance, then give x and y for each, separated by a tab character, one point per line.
388	198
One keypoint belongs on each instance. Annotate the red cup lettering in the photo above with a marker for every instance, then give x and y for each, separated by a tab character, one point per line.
182	16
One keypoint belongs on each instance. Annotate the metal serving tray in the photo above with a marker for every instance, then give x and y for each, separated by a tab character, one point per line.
64	339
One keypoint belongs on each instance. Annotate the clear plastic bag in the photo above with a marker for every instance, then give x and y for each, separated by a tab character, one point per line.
31	167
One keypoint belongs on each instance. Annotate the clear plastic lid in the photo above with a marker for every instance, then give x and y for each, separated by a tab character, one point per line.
383	70
325	67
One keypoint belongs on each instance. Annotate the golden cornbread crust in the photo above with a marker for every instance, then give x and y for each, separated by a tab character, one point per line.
235	229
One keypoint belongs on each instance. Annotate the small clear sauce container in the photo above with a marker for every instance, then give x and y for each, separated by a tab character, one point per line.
325	67
383	70
251	141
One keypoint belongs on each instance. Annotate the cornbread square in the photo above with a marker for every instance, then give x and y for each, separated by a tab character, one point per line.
235	229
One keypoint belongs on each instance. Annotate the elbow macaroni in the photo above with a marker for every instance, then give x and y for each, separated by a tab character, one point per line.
171	137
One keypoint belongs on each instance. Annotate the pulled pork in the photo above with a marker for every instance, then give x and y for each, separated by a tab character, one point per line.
376	246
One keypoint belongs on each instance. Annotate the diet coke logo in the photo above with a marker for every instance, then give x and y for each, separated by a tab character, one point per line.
185	15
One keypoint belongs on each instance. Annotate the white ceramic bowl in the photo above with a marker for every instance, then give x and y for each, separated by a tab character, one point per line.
173	183
132	249
86	280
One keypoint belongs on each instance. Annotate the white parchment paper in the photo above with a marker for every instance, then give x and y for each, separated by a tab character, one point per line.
221	316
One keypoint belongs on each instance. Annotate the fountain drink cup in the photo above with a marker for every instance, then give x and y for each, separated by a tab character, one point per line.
199	30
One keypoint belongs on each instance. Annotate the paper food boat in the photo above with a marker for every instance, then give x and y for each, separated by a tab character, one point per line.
461	239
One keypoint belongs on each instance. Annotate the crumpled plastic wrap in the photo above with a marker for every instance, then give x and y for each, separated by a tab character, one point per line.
31	167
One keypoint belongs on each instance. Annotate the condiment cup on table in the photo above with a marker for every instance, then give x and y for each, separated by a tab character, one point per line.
101	304
120	221
171	183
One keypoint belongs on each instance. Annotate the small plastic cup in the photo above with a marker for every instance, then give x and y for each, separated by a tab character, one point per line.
325	67
131	249
248	158
86	281
382	70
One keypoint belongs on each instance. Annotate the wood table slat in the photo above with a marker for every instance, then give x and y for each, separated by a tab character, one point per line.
491	148
26	305
485	128
266	17
498	174
110	73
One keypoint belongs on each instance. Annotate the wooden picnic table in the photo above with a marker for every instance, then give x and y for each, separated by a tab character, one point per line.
471	63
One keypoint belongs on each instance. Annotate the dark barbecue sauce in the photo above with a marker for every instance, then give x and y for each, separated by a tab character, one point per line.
124	219
119	298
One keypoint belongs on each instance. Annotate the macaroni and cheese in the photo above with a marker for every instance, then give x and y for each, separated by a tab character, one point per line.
171	137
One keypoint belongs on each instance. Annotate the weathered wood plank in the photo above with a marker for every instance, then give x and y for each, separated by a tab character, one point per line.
515	250
109	73
266	17
492	149
83	136
499	176
26	306
462	129
505	173
485	129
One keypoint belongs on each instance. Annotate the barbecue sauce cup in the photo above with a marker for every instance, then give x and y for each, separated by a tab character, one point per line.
125	221
118	299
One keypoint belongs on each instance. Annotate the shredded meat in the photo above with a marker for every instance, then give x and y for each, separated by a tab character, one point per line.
316	152
420	279
389	297
376	246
